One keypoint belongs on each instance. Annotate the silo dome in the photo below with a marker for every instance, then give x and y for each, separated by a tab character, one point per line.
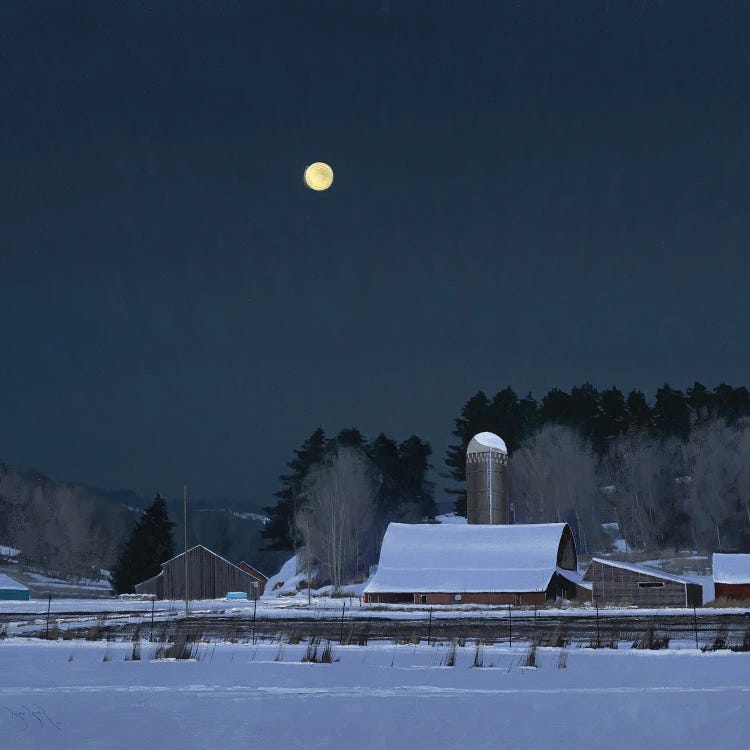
484	442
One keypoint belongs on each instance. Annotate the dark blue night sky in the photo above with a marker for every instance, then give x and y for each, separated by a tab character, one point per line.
531	194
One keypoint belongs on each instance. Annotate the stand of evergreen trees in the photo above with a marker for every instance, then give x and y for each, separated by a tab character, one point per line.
403	489
672	473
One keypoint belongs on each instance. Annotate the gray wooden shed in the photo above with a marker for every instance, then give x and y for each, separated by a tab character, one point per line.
626	584
210	576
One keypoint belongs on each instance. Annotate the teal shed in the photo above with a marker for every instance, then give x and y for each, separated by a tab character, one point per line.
12	589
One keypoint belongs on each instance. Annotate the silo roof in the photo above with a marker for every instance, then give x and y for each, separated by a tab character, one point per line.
484	442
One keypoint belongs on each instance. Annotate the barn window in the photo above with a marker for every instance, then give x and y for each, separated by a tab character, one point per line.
423	598
650	584
457	597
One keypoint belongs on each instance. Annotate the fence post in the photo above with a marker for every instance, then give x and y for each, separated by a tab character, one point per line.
598	640
695	626
429	628
341	635
49	606
510	627
153	603
255	606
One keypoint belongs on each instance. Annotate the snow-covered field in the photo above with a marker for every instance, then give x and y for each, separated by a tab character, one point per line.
87	695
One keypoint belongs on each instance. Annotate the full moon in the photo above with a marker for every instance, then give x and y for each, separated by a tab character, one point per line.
319	176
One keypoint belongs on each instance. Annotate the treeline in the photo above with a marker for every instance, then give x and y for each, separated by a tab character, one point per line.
671	473
60	528
341	493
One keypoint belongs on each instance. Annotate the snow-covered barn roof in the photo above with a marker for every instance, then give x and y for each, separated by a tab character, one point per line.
642	569
6	582
731	568
438	558
484	442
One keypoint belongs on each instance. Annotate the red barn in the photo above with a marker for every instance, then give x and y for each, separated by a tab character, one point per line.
476	564
731	576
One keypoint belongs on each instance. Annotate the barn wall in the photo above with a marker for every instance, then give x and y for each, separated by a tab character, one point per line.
531	598
256	576
732	590
151	586
566	552
389	598
619	586
209	577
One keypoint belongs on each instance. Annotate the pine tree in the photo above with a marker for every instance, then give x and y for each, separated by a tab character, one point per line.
385	456
149	545
279	530
414	458
639	415
613	419
556	408
671	413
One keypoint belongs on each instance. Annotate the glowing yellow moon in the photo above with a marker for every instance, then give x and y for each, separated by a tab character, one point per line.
319	176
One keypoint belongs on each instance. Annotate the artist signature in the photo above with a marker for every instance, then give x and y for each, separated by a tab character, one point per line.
28	718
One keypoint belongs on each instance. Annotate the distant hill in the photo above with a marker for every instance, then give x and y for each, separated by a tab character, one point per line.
74	529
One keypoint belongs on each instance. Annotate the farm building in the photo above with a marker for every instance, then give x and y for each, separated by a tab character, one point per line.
209	577
731	576
625	584
10	588
475	564
256	574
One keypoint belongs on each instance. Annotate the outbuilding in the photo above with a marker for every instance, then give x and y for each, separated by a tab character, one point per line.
616	583
210	576
11	589
257	576
731	576
476	564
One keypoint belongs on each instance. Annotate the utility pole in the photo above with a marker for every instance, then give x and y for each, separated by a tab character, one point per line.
184	510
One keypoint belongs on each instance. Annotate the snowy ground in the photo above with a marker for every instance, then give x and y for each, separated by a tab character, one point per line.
66	695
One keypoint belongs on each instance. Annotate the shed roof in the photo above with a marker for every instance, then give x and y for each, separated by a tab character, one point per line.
642	569
472	558
731	568
210	552
6	582
247	568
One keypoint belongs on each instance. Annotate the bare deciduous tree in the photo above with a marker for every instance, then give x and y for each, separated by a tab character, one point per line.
337	513
553	477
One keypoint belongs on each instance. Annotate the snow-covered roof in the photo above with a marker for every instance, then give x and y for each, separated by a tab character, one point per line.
642	569
6	582
467	558
484	442
731	568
